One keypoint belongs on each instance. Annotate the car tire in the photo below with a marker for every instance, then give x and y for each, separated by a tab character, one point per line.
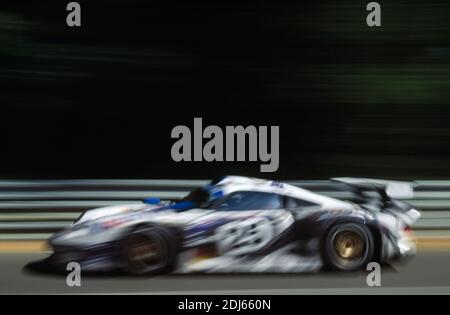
148	251
347	247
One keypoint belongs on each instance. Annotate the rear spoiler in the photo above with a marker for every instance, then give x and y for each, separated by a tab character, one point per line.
388	188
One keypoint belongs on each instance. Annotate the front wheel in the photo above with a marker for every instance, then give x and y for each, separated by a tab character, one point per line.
348	247
148	251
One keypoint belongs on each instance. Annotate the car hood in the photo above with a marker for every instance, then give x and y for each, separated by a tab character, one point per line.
104	212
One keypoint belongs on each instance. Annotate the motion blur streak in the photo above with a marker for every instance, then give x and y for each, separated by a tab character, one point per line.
34	209
367	102
432	267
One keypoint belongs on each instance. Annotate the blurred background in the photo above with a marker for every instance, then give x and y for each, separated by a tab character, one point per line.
86	113
100	101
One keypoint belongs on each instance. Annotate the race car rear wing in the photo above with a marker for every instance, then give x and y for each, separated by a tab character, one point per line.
386	188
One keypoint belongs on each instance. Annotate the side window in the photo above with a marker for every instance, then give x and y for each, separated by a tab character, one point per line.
294	203
251	200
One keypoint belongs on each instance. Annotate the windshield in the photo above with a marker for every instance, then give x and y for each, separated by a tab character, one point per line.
205	198
198	197
247	200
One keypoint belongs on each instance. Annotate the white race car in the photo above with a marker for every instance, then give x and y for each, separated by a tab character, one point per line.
240	224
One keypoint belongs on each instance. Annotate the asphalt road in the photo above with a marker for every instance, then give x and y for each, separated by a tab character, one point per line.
428	273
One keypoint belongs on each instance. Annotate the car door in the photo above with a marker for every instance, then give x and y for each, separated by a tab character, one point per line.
256	222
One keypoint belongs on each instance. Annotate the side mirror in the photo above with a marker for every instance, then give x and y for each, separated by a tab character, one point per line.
182	205
152	201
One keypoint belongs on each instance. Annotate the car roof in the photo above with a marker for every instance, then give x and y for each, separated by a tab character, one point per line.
230	184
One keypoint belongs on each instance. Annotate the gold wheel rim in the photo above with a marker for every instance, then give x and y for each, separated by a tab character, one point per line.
349	245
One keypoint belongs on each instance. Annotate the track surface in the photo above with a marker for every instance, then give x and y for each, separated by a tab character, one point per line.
428	273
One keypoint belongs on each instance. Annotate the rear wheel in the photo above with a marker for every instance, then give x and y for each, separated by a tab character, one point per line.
150	250
348	247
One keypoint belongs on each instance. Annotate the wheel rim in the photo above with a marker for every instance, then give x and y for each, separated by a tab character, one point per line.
144	252
349	245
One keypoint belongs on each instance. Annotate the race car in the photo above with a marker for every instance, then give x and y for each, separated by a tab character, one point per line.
241	224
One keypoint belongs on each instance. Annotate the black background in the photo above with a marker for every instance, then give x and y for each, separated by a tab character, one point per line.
101	100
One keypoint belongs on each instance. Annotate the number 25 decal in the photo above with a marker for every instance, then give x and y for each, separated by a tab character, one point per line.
250	235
